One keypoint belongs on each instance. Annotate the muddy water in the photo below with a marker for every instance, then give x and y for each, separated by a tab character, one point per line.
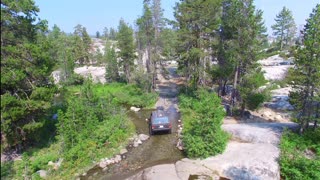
158	149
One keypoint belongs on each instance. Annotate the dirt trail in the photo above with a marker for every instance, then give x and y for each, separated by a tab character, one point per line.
158	149
167	87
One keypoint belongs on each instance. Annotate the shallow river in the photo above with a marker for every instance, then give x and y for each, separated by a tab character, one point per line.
158	149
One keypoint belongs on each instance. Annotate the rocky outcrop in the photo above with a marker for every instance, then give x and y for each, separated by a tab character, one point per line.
251	154
136	140
280	99
275	67
104	163
266	133
97	73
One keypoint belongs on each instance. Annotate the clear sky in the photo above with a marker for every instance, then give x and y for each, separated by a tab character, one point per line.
97	14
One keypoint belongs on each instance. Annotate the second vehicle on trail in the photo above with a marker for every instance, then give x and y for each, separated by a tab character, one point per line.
158	121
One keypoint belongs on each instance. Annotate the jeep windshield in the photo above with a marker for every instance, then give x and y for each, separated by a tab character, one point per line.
161	120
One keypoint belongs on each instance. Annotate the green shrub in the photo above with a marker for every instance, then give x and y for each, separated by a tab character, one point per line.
74	79
6	169
293	162
203	115
143	80
255	100
283	54
40	162
251	98
133	96
90	126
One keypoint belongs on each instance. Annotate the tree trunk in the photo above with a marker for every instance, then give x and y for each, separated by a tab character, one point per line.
127	72
235	82
224	88
302	127
148	59
220	88
317	117
243	108
154	74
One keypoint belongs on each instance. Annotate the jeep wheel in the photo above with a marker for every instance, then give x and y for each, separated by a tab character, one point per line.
151	132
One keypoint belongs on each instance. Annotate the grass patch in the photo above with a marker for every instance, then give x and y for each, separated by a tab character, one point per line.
122	94
295	162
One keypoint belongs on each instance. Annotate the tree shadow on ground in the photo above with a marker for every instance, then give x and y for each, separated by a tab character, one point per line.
241	173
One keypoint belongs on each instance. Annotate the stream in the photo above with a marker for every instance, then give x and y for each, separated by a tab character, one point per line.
158	149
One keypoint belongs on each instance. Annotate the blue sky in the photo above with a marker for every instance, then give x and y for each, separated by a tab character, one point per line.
97	14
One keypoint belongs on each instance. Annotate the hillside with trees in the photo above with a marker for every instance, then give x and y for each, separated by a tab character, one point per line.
59	118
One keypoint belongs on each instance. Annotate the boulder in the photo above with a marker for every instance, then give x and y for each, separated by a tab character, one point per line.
103	164
135	144
179	132
105	169
112	161
139	141
42	173
143	137
109	161
50	163
179	144
278	118
135	109
117	159
123	151
266	114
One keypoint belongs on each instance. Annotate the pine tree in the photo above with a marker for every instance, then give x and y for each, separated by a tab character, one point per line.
284	28
26	64
62	52
98	34
197	22
146	34
127	49
82	45
112	70
241	35
306	85
158	24
168	40
112	34
105	33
